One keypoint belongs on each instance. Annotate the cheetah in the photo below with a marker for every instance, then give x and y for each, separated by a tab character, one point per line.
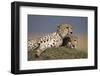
70	42
54	39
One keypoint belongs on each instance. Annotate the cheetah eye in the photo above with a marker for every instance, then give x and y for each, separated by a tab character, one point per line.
67	27
74	40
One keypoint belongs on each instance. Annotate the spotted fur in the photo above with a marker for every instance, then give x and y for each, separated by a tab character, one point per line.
70	41
54	39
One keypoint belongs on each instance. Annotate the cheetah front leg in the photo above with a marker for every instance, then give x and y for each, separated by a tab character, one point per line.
40	50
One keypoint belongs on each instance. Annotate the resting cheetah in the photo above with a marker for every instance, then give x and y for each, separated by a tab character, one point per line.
70	41
54	39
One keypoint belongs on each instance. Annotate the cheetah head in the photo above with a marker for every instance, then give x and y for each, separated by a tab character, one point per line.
64	30
70	41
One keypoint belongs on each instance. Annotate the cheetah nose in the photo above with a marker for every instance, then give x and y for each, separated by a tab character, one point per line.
71	32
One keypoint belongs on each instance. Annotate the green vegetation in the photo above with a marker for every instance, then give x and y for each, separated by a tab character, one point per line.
58	53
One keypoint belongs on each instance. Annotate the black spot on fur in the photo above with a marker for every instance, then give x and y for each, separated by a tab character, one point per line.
47	39
51	45
44	41
40	41
73	45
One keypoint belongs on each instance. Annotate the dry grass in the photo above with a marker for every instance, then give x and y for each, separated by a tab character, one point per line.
58	53
62	52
